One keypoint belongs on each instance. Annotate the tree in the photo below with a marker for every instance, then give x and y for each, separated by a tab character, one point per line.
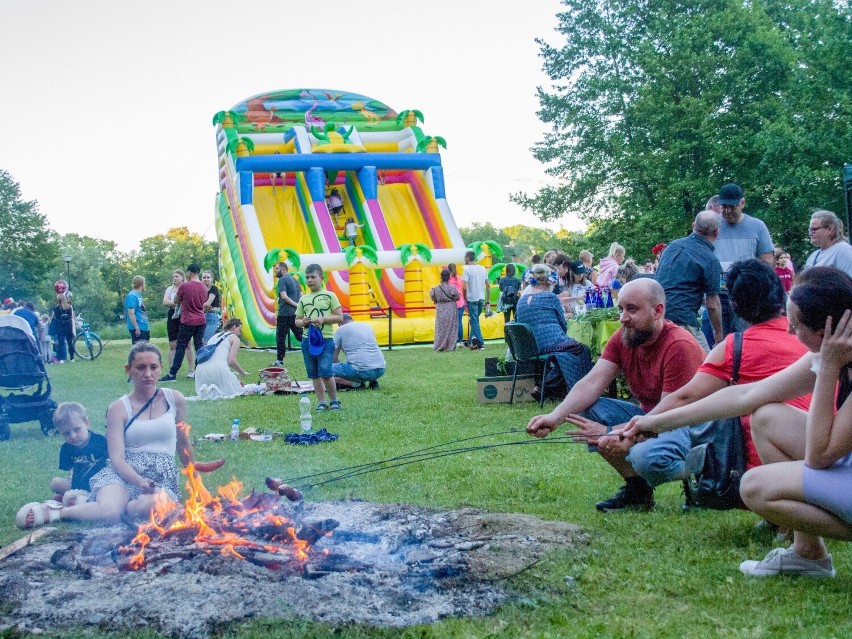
160	255
656	103
29	250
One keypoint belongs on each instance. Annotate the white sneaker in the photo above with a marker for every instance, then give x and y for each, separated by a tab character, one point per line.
190	375
786	561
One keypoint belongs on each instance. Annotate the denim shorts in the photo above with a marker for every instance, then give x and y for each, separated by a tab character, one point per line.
319	365
347	371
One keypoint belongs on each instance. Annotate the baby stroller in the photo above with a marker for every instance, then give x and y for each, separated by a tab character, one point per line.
24	384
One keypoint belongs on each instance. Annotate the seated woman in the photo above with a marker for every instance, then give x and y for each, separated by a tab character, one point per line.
779	429
542	310
142	438
213	378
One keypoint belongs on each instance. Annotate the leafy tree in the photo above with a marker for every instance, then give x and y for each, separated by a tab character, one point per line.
28	248
161	254
478	232
656	103
100	277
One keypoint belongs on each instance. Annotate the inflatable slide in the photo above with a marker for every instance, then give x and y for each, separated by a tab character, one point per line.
282	156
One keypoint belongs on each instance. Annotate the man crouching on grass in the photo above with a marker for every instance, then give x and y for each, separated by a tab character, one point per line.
317	311
657	357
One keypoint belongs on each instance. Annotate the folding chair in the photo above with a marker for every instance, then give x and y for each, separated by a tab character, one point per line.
522	346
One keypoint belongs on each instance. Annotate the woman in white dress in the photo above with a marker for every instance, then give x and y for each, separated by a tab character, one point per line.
213	378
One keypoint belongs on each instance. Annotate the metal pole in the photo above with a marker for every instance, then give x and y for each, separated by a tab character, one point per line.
68	270
390	328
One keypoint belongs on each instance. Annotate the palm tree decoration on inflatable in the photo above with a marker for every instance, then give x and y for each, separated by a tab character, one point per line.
357	258
430	144
409	117
487	253
413	257
332	141
496	271
289	255
228	118
241	146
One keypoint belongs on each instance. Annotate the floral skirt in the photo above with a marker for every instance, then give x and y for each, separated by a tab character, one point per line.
160	467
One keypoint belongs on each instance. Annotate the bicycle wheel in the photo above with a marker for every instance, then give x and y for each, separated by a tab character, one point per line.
88	348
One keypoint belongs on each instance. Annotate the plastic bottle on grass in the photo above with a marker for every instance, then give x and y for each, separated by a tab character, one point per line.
235	430
305	417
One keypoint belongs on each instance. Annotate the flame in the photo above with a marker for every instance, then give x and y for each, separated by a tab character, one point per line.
212	521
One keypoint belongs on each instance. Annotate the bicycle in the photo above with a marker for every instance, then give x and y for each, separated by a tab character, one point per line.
87	344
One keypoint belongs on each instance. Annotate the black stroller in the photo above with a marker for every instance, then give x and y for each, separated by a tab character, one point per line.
24	384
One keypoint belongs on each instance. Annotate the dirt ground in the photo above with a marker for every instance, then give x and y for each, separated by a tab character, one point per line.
389	565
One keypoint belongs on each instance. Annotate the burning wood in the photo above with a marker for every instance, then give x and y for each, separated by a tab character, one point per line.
239	527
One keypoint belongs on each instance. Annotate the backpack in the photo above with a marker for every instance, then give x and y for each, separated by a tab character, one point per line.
510	295
716	462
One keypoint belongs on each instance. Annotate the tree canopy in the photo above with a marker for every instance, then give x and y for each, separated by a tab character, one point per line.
654	104
28	248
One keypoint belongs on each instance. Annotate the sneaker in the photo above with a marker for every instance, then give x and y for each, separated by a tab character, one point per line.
277	363
373	385
633	496
322	406
335	405
786	561
190	375
167	378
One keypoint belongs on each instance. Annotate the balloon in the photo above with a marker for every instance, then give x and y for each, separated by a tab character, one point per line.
60	286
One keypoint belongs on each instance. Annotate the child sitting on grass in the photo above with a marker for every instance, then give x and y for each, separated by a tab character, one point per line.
84	453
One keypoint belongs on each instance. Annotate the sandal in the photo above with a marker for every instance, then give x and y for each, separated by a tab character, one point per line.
75	497
38	511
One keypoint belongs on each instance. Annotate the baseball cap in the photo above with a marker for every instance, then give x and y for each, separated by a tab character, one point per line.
578	268
731	194
316	341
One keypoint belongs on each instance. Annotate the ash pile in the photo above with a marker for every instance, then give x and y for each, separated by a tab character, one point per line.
387	565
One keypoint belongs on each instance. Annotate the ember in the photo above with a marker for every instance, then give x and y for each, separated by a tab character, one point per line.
226	524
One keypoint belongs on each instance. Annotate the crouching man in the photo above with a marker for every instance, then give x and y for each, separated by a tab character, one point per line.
364	363
656	357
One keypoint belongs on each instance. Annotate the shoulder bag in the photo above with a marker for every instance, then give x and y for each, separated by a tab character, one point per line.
715	465
206	352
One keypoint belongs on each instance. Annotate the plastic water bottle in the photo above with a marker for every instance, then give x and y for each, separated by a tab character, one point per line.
235	430
305	417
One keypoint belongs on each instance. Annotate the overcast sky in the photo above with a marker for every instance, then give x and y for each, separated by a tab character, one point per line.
106	105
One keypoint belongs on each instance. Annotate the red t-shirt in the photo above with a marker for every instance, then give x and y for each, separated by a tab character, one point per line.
767	349
660	366
786	277
192	294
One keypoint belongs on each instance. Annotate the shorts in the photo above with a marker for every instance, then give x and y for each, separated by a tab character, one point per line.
143	336
828	488
172	327
347	371
319	365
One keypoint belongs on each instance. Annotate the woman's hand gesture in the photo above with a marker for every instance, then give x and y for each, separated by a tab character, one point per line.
836	349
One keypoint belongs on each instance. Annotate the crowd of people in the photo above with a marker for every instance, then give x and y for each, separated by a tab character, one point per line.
721	304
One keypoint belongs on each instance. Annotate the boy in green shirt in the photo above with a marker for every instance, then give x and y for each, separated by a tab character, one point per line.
319	309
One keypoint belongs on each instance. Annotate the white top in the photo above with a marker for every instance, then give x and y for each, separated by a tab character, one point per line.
158	435
837	255
475	276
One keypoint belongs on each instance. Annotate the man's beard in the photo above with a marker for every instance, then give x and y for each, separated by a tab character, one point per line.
634	337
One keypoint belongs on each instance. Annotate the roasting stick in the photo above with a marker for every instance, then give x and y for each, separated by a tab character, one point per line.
23	542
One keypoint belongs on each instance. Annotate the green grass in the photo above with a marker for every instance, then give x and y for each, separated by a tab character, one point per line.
664	574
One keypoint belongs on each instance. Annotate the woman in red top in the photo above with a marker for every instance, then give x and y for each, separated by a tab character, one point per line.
784	269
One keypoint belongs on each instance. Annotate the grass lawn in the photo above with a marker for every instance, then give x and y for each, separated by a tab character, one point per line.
664	574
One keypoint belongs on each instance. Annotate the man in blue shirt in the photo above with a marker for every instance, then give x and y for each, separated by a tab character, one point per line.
690	273
134	312
741	237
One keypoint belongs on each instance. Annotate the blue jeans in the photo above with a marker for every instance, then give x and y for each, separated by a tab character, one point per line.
319	365
211	319
461	324
661	459
473	310
347	371
730	322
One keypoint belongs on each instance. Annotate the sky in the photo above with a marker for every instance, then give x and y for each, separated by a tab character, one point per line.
106	105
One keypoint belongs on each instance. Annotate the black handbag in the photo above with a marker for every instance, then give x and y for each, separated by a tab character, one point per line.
715	465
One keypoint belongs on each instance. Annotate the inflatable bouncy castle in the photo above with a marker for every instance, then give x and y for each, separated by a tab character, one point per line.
294	167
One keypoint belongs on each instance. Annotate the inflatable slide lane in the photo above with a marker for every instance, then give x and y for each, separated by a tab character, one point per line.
341	180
